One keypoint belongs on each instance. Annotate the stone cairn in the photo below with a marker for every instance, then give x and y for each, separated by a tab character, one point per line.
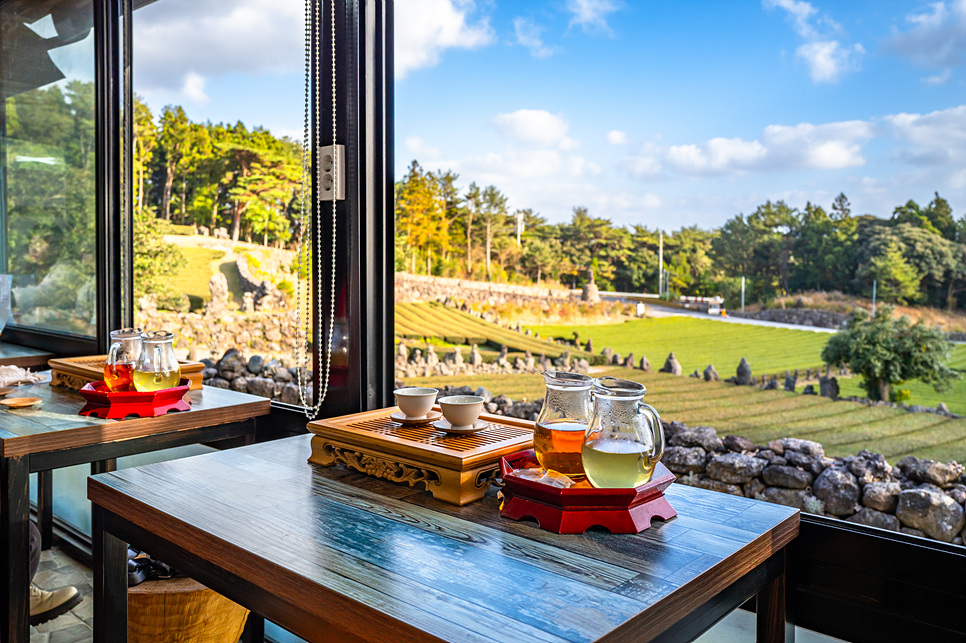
416	363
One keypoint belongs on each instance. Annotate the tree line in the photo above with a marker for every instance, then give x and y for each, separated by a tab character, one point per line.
216	175
916	256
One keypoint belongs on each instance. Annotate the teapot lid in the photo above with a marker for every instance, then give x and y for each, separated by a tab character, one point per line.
566	379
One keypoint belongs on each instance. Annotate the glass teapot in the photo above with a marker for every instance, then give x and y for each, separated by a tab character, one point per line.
624	438
121	358
562	422
158	367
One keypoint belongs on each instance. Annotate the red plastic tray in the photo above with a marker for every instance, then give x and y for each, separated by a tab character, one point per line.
117	405
577	509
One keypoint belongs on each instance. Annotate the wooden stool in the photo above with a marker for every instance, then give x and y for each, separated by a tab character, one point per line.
181	610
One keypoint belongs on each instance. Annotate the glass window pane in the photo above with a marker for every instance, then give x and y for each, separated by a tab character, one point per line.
47	164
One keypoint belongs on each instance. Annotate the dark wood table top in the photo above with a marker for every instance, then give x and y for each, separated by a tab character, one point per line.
377	561
55	424
22	356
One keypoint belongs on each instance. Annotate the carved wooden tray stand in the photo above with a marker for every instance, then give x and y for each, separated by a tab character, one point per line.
455	468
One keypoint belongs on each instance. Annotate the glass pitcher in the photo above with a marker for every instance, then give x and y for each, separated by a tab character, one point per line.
624	438
121	358
157	368
559	432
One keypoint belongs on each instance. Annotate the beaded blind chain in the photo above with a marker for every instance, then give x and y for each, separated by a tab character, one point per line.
306	241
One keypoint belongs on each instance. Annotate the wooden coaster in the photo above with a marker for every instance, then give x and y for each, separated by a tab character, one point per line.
21	402
6	390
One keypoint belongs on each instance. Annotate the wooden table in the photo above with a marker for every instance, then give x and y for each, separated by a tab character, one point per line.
333	555
54	435
23	356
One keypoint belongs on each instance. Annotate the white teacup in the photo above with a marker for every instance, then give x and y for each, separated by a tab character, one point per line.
414	401
461	411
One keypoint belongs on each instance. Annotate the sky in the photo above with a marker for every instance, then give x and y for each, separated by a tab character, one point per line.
650	112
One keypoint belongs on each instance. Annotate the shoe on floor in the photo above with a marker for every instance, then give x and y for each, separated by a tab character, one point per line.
45	605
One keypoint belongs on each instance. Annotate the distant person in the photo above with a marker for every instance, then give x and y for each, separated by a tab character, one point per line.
640	310
44	605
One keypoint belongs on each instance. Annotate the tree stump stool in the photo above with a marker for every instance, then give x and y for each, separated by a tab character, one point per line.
181	610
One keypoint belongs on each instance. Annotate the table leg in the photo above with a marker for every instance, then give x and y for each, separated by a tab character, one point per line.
254	629
103	466
773	625
110	583
45	508
14	549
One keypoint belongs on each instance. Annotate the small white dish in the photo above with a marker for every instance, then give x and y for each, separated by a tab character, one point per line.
405	420
477	426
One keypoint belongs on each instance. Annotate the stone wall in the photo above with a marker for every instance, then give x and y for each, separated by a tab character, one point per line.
412	288
918	497
207	335
799	316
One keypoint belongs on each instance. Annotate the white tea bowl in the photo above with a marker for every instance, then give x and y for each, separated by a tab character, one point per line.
415	401
461	411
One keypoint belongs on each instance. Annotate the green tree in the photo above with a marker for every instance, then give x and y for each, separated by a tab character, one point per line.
172	140
887	351
155	260
897	280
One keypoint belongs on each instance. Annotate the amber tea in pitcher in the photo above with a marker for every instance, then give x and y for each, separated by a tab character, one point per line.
558	436
121	358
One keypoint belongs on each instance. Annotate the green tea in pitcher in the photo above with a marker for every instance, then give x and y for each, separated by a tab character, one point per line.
150	381
617	464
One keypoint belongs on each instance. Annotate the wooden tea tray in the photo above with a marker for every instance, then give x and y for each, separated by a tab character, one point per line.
75	372
455	468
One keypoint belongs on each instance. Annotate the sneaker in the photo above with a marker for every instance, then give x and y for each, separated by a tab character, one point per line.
45	605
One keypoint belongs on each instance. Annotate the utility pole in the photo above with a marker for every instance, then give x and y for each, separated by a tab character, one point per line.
874	281
742	293
660	264
519	215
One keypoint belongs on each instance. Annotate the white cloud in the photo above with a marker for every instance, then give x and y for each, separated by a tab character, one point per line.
643	167
418	147
425	28
194	88
719	155
799	12
936	38
591	15
181	44
827	58
938	79
616	137
535	126
937	138
528	33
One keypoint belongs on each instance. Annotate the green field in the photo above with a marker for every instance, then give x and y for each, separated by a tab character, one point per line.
450	327
193	277
843	427
699	342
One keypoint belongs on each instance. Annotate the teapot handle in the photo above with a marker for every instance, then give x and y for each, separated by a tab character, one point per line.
657	429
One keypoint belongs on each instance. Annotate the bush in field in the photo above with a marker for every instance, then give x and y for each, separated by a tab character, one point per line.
887	351
156	262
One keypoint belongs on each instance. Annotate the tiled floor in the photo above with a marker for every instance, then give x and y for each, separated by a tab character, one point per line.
57	570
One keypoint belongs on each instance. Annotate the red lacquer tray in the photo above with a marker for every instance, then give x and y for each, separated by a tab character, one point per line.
577	509
118	405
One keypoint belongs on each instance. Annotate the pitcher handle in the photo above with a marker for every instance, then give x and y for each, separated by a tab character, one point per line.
112	357
657	429
158	366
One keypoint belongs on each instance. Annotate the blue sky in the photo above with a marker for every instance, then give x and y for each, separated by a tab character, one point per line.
652	112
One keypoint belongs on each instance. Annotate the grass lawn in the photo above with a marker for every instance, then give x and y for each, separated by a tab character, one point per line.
843	427
699	342
193	277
